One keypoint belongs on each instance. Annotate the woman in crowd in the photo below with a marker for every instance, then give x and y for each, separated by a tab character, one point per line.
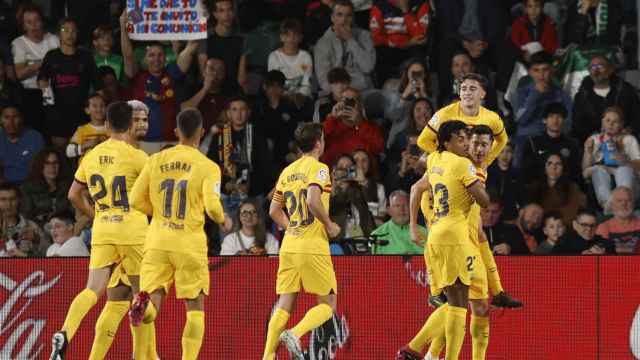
373	190
415	120
249	236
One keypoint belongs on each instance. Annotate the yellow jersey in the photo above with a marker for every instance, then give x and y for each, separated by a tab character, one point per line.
176	187
474	213
449	177
86	133
109	171
428	139
305	234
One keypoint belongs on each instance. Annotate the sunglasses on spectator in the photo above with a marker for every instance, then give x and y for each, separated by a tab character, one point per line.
588	225
248	212
597	66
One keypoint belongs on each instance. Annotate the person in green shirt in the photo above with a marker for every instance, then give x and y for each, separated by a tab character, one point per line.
102	45
396	230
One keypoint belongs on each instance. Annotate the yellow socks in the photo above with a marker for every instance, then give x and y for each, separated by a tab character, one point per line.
152	354
277	324
479	336
82	303
454	329
315	317
107	326
493	277
140	335
432	329
150	313
436	346
192	335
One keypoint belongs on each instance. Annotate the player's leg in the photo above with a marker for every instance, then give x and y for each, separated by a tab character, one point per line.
156	276
193	332
101	260
479	328
501	298
277	323
317	277
114	310
454	328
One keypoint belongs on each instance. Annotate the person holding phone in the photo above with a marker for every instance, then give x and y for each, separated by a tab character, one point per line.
410	169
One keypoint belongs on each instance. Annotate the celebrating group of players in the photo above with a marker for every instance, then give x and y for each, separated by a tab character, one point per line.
132	258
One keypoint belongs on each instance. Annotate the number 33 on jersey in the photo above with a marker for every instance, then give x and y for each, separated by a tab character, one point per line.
109	172
305	234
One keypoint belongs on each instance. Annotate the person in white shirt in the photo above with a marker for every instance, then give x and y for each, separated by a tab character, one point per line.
249	236
61	228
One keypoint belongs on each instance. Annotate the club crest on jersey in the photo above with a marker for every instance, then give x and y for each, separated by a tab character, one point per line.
216	188
323	175
472	170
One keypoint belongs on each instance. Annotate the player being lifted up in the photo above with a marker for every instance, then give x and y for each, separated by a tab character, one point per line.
301	206
450	257
485	277
176	187
108	171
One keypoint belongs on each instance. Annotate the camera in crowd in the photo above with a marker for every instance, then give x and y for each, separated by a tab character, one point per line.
345	175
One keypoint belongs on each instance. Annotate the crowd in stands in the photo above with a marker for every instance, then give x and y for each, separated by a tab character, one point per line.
373	72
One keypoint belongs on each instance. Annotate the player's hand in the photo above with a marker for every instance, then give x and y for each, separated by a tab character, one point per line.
417	236
227	225
333	230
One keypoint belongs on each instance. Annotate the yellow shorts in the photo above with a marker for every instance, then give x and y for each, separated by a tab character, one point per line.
314	272
448	263
124	260
161	268
479	289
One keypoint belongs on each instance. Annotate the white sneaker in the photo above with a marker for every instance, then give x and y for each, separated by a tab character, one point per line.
429	357
293	344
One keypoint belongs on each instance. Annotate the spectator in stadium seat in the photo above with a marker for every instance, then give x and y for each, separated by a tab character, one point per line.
396	229
61	227
22	237
537	148
317	20
223	44
45	191
583	239
413	122
408	169
339	80
156	86
241	151
249	236
623	230
293	62
18	145
373	190
66	76
89	135
348	205
593	22
600	90
610	153
103	50
344	45
399	31
28	52
507	183
534	26
346	129
10	92
461	65
504	238
211	98
533	99
529	223
554	231
277	117
555	191
112	91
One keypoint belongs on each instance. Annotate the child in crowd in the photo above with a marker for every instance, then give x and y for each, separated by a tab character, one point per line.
293	62
102	45
554	230
534	31
91	134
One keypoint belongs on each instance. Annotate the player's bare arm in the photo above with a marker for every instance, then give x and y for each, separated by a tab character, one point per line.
319	212
479	194
415	196
276	212
78	200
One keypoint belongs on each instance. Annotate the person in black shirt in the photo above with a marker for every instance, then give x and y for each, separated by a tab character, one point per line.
538	148
583	239
67	73
221	43
504	239
507	183
339	80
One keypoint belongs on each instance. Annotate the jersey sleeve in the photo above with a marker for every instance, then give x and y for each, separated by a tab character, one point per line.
466	172
428	139
81	174
211	194
320	176
500	138
140	199
277	193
